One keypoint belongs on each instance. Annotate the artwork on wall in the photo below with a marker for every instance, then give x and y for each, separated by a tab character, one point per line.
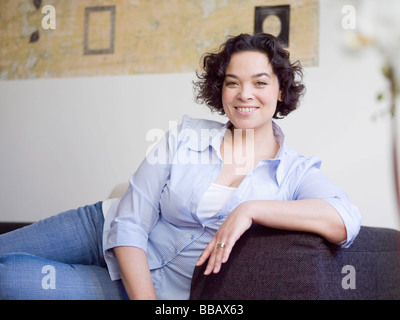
97	20
57	38
274	20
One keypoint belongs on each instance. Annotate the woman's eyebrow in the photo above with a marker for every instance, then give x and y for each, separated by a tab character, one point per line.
261	74
231	76
254	76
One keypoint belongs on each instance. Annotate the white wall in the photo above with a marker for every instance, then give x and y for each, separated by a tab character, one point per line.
70	142
336	122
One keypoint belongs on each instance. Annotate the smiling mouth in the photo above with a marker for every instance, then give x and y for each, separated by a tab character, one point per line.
246	109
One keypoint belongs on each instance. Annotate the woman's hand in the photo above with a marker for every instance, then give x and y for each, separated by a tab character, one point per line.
220	247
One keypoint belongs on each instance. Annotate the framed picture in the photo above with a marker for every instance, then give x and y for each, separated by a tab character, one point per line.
274	20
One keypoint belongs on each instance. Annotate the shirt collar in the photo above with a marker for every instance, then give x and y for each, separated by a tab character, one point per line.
213	137
207	136
280	156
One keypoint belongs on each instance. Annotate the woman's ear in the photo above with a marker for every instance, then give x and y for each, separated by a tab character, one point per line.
280	96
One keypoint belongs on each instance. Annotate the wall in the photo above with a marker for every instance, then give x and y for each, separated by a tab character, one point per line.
336	121
70	142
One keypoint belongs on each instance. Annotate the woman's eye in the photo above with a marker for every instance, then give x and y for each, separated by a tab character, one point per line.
261	83
230	84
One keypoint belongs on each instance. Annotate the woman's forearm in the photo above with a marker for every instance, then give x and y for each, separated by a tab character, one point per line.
135	273
310	215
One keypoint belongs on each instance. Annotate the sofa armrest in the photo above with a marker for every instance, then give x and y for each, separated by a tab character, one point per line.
268	264
11	226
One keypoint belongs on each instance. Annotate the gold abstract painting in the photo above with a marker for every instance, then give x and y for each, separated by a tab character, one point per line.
83	38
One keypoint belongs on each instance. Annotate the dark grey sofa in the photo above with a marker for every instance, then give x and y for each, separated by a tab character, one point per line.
10	226
276	264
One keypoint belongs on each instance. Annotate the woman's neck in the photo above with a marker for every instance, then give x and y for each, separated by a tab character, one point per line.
259	143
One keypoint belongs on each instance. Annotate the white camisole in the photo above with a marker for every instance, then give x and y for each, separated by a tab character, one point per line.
213	200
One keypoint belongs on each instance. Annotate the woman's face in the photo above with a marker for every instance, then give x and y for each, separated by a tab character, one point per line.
250	91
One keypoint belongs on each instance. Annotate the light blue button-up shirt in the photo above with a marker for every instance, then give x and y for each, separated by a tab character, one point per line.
158	211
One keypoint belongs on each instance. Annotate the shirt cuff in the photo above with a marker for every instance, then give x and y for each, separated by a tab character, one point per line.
351	218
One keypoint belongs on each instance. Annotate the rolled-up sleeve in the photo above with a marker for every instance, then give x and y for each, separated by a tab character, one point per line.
138	210
312	183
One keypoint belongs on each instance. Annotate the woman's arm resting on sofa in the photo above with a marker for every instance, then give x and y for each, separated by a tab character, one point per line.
310	215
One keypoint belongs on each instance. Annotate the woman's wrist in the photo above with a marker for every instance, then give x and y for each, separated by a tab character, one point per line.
250	209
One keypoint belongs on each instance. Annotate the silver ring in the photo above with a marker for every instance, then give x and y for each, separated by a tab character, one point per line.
221	245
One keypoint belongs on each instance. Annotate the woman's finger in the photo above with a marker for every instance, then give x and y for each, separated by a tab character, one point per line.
222	254
219	255
206	253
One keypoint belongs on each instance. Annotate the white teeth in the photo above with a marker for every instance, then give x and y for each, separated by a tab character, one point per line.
243	109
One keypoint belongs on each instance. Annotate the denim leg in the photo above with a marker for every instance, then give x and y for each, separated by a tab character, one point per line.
73	237
27	277
60	257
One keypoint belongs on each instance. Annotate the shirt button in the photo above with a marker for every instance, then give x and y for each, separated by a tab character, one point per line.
176	251
192	237
220	216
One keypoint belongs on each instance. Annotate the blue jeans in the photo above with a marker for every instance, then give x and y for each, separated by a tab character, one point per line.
58	258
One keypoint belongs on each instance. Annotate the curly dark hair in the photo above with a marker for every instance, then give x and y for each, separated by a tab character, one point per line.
208	89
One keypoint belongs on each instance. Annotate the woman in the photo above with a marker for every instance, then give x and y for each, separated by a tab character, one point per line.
193	196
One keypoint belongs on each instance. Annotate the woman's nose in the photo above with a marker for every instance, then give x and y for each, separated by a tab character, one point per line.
245	94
